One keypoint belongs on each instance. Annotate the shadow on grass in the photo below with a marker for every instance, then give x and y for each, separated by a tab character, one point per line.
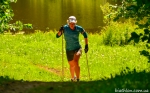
131	81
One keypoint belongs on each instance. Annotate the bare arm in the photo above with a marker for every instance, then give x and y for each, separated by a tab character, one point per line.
86	41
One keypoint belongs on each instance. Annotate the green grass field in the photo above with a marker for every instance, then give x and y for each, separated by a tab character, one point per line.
37	57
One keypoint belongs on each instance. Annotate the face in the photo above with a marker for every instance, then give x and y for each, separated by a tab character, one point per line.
72	26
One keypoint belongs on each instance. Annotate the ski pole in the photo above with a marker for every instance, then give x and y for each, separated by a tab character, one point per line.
87	66
62	57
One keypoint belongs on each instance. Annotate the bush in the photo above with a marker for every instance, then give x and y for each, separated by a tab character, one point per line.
6	15
118	33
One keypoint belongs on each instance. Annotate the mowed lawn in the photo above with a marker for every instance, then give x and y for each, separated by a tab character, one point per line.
38	57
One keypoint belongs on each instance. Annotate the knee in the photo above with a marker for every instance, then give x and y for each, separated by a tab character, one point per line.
72	65
77	65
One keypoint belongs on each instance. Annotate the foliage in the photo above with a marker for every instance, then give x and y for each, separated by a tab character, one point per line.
6	15
139	11
116	33
108	13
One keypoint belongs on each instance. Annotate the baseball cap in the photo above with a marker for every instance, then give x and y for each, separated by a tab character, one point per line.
72	19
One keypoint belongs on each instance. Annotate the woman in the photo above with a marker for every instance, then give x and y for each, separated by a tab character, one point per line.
73	48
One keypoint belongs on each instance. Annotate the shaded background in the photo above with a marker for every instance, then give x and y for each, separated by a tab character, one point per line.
51	14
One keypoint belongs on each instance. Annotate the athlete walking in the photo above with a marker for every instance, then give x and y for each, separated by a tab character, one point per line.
71	33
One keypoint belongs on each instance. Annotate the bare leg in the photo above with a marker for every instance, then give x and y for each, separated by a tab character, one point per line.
72	68
76	64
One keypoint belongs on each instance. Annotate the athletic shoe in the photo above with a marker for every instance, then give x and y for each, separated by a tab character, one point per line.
72	80
75	79
78	80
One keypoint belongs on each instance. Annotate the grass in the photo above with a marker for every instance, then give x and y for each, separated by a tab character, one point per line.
37	57
22	54
118	33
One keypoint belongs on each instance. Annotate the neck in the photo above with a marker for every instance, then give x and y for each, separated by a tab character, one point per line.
72	28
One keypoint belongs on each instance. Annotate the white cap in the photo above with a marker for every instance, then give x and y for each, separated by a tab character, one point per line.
72	19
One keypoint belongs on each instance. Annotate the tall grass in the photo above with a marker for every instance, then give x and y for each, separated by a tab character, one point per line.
118	33
38	57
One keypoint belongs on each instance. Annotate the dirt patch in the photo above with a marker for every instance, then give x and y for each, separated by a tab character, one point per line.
52	70
55	71
35	87
18	86
15	86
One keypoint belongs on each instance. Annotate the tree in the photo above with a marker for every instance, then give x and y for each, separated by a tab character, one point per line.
139	10
6	15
